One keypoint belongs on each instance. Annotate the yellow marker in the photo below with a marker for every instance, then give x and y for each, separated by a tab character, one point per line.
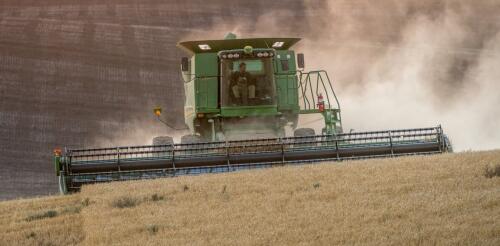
157	111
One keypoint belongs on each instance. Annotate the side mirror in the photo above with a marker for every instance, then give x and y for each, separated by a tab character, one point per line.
185	64
300	60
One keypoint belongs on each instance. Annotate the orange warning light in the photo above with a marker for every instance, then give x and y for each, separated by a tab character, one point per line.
57	152
157	111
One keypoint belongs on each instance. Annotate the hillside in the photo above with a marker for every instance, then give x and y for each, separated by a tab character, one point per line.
432	200
88	73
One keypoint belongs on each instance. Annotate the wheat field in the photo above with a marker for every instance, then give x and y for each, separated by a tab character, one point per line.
431	200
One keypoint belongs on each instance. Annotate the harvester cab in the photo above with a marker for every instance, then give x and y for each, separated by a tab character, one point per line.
252	88
240	97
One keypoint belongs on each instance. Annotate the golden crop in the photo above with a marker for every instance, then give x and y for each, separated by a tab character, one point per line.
432	200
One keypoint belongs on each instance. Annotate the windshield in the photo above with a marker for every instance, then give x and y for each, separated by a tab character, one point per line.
247	82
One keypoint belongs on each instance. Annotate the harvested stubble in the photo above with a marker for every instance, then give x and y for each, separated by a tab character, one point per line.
492	171
443	200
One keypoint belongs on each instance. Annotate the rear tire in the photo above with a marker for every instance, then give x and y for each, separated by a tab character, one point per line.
190	139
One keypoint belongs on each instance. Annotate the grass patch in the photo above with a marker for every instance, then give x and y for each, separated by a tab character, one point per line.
155	197
72	210
42	215
125	202
152	229
31	235
492	171
86	202
398	201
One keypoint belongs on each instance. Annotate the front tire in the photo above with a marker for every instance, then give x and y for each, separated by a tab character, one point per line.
162	146
190	139
163	140
302	132
304	141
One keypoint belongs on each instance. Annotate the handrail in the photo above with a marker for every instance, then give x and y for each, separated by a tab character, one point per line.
306	83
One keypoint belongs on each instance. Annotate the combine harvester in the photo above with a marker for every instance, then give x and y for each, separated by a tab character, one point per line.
241	97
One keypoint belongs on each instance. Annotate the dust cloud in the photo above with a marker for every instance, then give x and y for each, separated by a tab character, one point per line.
401	64
136	132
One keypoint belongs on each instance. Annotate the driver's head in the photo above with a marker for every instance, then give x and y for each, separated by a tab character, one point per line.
243	67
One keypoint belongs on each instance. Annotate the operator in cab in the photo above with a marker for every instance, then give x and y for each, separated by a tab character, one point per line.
242	86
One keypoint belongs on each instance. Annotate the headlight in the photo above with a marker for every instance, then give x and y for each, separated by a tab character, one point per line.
230	56
259	54
266	54
224	56
236	55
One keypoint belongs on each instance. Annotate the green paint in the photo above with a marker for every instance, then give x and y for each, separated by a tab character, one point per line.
207	84
57	164
249	111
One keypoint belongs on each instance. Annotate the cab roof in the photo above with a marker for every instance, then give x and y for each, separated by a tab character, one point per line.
211	46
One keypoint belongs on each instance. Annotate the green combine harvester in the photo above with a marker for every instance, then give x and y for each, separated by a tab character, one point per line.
242	98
